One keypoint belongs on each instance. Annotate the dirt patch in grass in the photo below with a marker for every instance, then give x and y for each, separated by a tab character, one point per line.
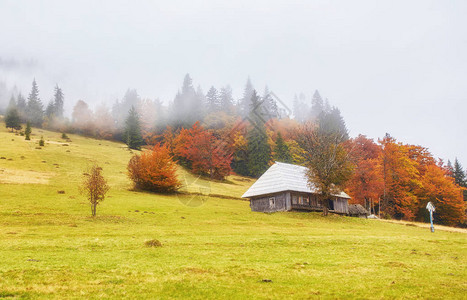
24	176
153	243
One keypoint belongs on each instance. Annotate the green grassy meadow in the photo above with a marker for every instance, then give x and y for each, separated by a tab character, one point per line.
213	247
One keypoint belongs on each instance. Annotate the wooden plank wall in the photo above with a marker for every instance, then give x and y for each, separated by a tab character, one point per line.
262	203
341	205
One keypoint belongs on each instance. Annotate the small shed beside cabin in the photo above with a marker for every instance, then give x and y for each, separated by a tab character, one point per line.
357	210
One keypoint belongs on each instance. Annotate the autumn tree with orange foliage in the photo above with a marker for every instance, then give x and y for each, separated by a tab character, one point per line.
166	138
366	185
445	195
401	179
438	187
154	170
405	178
203	152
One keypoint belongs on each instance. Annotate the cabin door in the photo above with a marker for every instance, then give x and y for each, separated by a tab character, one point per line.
331	204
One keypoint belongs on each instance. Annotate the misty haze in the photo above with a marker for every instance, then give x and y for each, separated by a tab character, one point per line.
245	149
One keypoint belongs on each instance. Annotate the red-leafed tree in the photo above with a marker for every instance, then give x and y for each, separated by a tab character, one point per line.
203	152
366	185
154	170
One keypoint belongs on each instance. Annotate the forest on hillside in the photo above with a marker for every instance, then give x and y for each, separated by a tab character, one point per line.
214	135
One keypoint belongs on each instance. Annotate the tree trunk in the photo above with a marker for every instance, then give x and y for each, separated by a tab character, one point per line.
325	206
379	208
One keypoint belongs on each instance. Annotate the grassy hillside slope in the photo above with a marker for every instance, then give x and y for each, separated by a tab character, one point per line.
213	247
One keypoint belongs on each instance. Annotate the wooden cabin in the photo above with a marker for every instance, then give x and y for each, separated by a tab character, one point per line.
285	187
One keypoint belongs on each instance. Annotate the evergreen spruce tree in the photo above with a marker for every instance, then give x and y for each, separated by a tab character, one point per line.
27	131
12	104
198	106
282	152
121	108
245	103
21	106
58	102
132	134
212	100
270	105
327	106
333	122
460	176
188	105
317	105
12	119
240	162
450	169
226	100
34	108
50	110
259	151
184	114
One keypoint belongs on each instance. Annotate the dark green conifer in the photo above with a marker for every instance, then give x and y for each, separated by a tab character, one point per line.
259	151
333	123
22	107
460	176
132	134
12	119
282	152
50	110
34	110
213	101
58	102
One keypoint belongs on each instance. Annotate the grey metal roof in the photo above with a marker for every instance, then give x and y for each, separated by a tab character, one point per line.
281	177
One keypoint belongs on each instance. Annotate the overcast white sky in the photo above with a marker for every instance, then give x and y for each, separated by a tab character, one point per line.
390	66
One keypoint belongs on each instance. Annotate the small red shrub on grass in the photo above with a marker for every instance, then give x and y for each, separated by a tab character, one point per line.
154	170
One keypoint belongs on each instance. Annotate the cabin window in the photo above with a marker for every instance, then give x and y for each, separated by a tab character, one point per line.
272	202
294	199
